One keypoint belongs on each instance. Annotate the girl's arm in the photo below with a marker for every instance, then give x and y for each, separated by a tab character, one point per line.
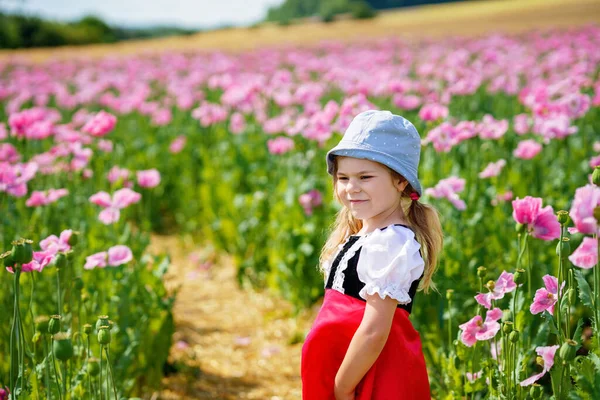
366	345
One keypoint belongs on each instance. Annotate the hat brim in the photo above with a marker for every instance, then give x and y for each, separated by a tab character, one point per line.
370	154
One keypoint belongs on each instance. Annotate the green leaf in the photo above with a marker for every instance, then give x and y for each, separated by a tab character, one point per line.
585	293
578	333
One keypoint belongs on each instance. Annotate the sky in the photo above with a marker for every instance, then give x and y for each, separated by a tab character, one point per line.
138	13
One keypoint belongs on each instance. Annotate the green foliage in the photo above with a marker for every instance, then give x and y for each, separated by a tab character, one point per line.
22	31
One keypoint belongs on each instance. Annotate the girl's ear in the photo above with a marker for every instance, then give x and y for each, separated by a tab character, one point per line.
401	185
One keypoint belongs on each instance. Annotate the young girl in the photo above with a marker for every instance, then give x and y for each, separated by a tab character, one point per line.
383	247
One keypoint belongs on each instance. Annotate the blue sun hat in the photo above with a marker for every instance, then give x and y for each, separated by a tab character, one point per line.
385	138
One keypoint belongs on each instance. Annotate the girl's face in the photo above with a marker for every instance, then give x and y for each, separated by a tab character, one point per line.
368	189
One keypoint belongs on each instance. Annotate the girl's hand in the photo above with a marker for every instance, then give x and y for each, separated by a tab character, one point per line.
343	393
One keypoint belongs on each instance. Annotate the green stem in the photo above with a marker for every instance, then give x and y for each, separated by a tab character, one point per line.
55	370
449	325
46	372
13	328
64	378
58	291
112	380
597	288
100	383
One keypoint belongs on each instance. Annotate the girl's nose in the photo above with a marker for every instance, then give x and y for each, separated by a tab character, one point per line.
352	186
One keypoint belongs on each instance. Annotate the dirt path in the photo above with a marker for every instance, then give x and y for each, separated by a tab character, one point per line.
230	343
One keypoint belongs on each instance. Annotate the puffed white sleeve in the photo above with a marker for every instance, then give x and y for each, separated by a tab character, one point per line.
389	263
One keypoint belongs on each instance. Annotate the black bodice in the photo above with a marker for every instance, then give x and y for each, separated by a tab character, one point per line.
352	285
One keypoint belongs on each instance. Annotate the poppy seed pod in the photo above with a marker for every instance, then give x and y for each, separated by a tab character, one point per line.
41	323
491	285
93	366
104	335
563	217
596	176
7	259
63	348
22	251
514	336
520	276
507	327
102	321
54	324
481	272
568	350
87	329
449	294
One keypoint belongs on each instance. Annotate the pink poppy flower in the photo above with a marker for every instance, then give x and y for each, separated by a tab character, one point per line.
40	198
100	124
121	198
115	256
116	173
472	377
504	284
527	149
546	298
492	169
280	145
118	255
149	178
587	198
476	329
586	255
547	354
310	200
105	146
177	144
541	222
490	128
521	124
57	244
98	260
40	260
448	188
237	123
433	112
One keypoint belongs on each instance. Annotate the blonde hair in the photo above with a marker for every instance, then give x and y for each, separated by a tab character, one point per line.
422	218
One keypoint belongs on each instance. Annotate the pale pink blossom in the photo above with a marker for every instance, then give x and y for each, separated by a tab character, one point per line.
9	153
595	162
545	298
149	178
504	284
177	144
527	149
310	200
521	124
587	198
547	353
118	174
586	255
280	145
541	222
237	123
492	169
502	197
433	112
491	128
115	256
121	198
448	188
476	329
100	124
105	145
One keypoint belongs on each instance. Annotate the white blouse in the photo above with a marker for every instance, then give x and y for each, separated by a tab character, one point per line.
389	263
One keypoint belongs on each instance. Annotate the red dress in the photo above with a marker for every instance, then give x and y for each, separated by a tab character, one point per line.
399	372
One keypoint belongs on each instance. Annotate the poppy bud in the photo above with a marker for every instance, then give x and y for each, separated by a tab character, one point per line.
520	228
7	259
74	239
104	335
563	248
563	217
54	324
63	348
41	323
491	285
519	276
481	272
568	350
22	251
87	329
449	294
92	366
61	260
507	327
514	336
596	176
102	321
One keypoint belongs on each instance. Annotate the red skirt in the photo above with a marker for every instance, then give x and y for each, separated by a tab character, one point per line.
398	373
